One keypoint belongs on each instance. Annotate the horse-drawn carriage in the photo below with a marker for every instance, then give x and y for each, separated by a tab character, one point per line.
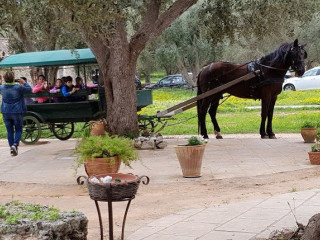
60	117
261	79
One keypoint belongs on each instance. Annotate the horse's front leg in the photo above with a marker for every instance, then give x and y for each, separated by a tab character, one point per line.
203	106
264	114
213	112
270	117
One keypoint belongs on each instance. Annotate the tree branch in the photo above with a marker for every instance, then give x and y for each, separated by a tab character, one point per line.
153	25
26	41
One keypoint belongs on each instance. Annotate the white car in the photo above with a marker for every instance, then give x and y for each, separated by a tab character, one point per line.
310	80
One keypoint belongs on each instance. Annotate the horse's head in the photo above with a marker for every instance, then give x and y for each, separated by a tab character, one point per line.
296	56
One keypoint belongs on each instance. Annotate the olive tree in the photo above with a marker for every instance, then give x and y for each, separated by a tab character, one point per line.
117	32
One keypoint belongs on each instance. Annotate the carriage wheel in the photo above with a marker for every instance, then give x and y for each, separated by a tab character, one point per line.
63	131
31	130
146	127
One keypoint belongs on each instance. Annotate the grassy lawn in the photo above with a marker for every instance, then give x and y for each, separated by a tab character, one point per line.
234	115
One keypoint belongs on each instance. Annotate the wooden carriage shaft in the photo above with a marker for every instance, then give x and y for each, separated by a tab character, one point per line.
192	102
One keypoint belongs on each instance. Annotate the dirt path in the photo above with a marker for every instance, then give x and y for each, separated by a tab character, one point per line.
160	199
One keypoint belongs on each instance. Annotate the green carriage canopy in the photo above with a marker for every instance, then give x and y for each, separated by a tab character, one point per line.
50	58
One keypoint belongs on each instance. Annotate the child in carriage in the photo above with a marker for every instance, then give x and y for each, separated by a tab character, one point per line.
56	89
40	87
68	89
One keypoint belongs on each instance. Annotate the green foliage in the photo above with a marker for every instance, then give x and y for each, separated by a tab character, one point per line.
106	146
13	212
309	124
316	147
194	141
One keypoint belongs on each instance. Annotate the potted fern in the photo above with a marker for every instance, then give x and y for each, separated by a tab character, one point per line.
190	157
314	155
104	154
309	131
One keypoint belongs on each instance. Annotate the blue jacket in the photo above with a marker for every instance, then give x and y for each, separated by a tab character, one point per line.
12	97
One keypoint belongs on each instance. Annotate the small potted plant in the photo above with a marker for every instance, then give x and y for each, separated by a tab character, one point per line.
309	131
104	154
314	155
97	128
190	157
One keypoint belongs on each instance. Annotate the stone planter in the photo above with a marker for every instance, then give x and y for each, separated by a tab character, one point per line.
309	134
190	159
70	226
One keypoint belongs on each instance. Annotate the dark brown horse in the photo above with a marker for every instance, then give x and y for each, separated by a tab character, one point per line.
265	86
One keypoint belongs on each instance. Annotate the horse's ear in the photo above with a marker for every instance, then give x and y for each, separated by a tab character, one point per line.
295	43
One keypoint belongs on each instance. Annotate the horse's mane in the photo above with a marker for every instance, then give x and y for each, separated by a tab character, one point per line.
277	56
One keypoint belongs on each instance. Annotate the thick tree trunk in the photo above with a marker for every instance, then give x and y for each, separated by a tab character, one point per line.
117	69
120	89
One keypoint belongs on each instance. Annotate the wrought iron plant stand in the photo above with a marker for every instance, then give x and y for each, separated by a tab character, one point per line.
123	188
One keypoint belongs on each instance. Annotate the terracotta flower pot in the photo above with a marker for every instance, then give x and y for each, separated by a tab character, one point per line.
97	129
95	166
314	158
309	134
190	159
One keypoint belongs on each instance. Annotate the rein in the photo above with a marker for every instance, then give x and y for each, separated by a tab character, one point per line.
270	67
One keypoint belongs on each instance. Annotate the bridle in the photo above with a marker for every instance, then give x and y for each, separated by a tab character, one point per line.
294	62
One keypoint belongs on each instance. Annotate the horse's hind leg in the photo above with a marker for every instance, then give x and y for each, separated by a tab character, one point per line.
264	111
213	112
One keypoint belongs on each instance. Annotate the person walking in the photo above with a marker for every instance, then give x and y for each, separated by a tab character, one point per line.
12	108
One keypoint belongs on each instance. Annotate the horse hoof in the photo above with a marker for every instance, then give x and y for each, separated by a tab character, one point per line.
218	135
264	136
272	136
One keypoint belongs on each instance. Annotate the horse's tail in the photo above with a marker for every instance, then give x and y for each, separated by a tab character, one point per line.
198	102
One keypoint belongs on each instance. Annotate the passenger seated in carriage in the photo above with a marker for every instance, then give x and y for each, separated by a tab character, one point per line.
80	85
56	89
40	87
68	89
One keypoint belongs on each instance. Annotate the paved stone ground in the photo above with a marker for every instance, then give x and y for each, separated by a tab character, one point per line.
51	161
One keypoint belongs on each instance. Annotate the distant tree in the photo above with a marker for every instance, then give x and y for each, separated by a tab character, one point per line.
184	48
34	26
311	38
147	62
166	56
254	28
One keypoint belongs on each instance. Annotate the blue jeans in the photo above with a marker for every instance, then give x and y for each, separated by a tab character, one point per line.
14	123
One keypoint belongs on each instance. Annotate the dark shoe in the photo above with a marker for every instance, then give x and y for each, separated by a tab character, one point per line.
14	150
